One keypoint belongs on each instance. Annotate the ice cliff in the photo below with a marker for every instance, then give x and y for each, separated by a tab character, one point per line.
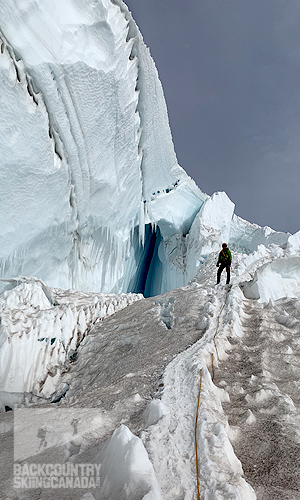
88	168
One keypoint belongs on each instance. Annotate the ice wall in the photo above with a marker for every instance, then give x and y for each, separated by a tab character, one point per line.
87	158
272	281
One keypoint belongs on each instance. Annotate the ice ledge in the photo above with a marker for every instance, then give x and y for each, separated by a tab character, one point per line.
275	280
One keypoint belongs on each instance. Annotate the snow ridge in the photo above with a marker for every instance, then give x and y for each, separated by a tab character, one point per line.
41	331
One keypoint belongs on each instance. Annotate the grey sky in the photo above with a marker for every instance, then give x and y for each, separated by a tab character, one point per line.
231	76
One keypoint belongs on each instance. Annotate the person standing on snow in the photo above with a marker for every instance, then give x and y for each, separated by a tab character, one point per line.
224	261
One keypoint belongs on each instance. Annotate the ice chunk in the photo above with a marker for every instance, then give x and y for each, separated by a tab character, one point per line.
155	411
126	472
294	241
280	278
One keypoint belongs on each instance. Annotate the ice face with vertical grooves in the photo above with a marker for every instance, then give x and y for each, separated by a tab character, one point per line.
89	158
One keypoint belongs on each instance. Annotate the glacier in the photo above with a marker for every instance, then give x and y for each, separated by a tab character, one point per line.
108	305
89	176
88	147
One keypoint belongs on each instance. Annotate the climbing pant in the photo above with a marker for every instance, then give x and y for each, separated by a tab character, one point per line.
221	268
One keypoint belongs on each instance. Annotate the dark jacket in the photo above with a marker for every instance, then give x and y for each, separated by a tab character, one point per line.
225	257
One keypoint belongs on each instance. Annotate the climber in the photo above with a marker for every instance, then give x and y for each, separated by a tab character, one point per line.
224	261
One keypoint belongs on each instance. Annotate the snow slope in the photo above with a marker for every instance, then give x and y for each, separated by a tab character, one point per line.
137	372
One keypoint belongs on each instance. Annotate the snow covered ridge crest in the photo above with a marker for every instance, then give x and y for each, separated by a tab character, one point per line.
41	330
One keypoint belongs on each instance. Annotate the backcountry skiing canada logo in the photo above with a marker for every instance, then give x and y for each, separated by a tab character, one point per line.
32	476
48	443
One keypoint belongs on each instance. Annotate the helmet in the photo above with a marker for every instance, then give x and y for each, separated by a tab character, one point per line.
224	245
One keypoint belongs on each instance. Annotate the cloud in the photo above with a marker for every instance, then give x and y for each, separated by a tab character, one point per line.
230	72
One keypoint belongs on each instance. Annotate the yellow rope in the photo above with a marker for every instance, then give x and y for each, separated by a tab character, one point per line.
214	339
212	367
196	444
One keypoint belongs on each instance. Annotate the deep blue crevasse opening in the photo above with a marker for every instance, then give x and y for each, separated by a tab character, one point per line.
148	275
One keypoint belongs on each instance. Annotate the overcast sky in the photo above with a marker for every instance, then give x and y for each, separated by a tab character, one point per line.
230	70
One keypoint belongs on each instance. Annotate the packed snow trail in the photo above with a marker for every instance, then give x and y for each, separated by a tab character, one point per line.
200	387
171	444
262	376
132	348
